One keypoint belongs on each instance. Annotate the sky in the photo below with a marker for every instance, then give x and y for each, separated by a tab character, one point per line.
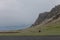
23	12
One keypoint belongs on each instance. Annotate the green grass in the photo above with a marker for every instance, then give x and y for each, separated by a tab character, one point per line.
52	28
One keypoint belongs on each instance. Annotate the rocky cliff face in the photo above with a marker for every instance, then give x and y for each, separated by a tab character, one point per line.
55	13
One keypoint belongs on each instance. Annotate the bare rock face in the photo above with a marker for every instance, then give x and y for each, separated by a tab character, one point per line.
41	18
55	12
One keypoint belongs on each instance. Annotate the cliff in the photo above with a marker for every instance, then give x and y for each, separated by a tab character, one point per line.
47	15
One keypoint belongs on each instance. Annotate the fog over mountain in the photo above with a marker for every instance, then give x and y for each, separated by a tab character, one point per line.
19	12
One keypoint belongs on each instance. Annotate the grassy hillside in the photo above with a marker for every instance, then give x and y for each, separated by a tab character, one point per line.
52	28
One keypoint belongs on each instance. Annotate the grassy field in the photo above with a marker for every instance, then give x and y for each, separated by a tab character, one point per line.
52	28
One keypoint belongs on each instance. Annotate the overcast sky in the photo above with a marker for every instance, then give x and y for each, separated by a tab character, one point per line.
17	12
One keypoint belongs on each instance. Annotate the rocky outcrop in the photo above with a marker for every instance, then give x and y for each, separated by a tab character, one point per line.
55	13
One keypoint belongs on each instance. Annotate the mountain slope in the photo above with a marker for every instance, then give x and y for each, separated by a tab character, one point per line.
52	28
48	23
47	15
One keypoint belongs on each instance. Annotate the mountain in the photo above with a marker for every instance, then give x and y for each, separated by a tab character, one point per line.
47	15
48	23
